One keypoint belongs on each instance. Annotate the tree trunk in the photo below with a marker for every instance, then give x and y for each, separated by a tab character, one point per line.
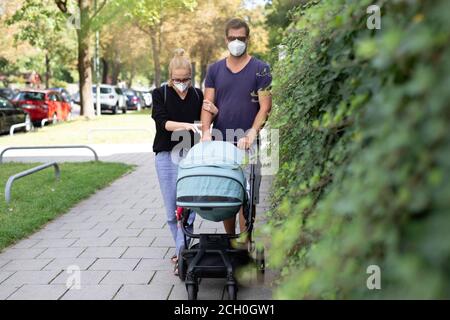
47	71
84	60
130	81
116	66
194	73
203	69
105	70
156	51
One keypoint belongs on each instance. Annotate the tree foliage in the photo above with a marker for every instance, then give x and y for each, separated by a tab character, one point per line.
137	38
202	31
125	52
149	16
279	18
364	174
87	17
44	27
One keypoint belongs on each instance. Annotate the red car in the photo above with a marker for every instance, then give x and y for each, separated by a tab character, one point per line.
43	104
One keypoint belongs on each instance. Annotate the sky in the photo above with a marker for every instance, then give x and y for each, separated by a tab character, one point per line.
252	3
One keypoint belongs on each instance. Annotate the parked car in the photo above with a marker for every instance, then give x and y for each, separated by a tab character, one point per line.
65	95
123	98
134	102
146	98
141	97
111	98
11	115
76	98
43	104
7	93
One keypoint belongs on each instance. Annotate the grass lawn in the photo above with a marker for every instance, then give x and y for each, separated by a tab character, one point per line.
143	112
102	130
39	198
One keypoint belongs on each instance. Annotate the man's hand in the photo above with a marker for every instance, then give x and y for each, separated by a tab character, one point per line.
247	141
210	107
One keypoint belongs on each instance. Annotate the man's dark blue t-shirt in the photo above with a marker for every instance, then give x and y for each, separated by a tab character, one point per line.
236	94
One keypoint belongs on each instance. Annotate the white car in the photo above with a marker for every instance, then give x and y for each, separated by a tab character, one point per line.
148	100
111	98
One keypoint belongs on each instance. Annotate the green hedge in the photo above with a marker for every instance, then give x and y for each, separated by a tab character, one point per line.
364	119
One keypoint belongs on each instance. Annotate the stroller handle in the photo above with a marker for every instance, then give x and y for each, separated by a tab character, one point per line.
252	150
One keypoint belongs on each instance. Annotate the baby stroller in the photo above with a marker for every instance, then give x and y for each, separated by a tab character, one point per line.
211	183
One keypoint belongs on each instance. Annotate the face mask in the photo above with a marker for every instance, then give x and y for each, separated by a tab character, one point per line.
181	86
237	48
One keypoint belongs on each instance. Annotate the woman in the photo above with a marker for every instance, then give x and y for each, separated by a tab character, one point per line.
176	106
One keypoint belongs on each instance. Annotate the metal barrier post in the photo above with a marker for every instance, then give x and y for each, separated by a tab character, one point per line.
16	126
28	172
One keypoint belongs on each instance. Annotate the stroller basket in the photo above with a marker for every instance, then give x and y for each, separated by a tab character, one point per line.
211	182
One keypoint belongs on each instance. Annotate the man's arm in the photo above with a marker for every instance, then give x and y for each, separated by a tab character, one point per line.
206	116
265	106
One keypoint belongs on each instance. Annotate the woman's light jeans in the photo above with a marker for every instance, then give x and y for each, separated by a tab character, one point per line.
167	172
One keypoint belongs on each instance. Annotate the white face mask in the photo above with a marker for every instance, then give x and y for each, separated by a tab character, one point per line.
181	86
237	47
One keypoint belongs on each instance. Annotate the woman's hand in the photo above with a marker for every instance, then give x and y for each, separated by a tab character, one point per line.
210	107
179	126
190	127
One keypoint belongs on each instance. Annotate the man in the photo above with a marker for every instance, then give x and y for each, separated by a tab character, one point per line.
237	98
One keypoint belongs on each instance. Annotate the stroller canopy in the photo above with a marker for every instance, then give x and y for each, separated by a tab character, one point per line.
210	180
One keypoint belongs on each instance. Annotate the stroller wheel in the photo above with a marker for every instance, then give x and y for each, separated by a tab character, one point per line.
232	292
182	266
260	264
192	291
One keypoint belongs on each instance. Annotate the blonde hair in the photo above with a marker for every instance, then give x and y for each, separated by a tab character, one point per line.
179	61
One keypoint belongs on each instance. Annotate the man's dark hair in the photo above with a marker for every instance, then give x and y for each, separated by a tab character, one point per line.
236	23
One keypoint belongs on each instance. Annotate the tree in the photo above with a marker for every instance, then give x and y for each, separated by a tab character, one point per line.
125	52
203	32
279	17
149	16
13	54
43	27
88	18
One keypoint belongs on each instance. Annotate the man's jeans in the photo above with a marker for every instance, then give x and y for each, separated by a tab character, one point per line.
167	175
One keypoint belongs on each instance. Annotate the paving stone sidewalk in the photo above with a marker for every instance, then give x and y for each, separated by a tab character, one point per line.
118	239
